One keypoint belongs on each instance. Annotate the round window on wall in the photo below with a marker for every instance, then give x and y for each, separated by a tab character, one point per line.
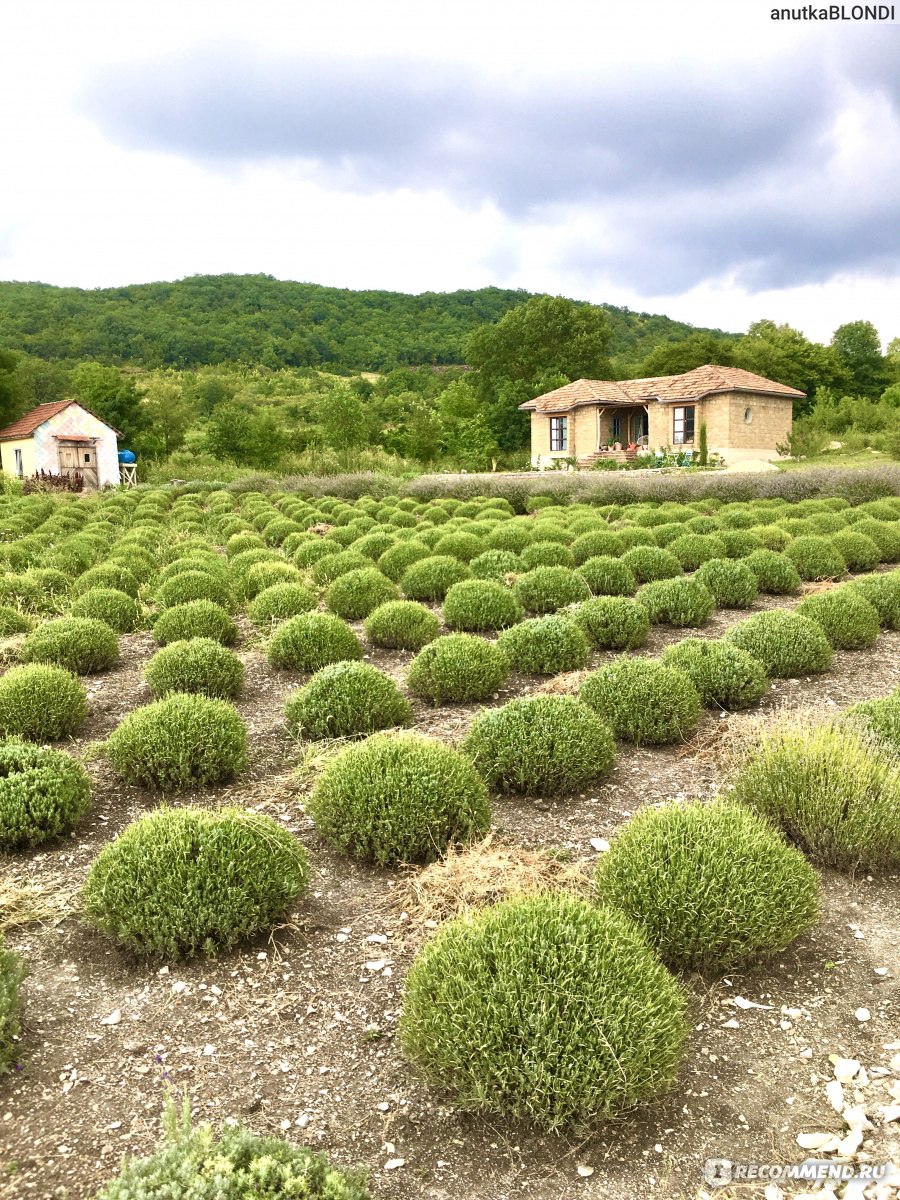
748	415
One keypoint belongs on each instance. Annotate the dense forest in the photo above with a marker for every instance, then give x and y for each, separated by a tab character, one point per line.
262	321
213	375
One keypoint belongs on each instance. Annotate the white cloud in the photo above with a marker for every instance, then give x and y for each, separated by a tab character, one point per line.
80	208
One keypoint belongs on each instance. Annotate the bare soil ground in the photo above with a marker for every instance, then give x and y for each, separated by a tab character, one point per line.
295	1033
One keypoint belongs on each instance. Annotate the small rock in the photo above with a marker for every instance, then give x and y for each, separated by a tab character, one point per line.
741	1002
855	1118
849	1145
393	1163
862	1015
825	1142
880	970
844	1068
376	964
732	1024
135	1047
601	845
889	1112
584	1171
378	939
835	1093
209	1050
113	1019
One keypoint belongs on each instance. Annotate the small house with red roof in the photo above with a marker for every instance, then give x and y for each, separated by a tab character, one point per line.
746	416
61	438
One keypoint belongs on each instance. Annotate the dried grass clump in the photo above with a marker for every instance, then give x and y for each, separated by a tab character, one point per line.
483	873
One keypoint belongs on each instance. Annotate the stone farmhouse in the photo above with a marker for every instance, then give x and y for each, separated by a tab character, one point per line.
746	416
61	438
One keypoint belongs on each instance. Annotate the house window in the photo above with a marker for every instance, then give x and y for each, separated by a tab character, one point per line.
617	428
17	457
683	425
87	457
559	433
748	415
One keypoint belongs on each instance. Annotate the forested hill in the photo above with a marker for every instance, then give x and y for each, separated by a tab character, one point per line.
208	319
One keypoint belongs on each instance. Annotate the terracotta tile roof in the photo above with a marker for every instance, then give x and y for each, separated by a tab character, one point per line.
25	426
692	385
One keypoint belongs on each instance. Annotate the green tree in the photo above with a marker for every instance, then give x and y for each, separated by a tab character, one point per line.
546	336
696	350
342	417
41	382
10	401
858	348
168	414
112	396
248	436
782	353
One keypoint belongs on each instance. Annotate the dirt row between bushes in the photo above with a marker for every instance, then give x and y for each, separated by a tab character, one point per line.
294	1035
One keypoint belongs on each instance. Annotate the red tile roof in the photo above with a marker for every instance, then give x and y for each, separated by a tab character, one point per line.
25	426
692	385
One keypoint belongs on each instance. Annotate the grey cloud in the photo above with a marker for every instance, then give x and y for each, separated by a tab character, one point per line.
684	165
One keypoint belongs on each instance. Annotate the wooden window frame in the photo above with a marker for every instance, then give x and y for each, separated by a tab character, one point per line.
559	434
684	423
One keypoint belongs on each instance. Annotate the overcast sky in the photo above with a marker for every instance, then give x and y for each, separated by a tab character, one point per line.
696	159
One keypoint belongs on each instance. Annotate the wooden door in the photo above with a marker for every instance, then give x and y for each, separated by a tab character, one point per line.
77	458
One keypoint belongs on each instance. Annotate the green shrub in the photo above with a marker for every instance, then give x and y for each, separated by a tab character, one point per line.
612	622
832	790
79	644
355	594
476	604
547	554
883	593
193	585
511	535
739	543
264	575
238	1165
850	622
401	625
312	641
547	589
723	674
545	645
310	553
496	565
543	745
711	885
184	881
859	552
431	578
543	1007
184	741
682	602
345	699
41	703
731	582
775	573
12	621
693	549
649	563
596	544
785	643
400	556
881	718
632	536
399	798
459	545
327	570
643	701
112	607
816	558
198	618
195	665
43	794
606	576
457	668
885	535
113	575
280	601
12	972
